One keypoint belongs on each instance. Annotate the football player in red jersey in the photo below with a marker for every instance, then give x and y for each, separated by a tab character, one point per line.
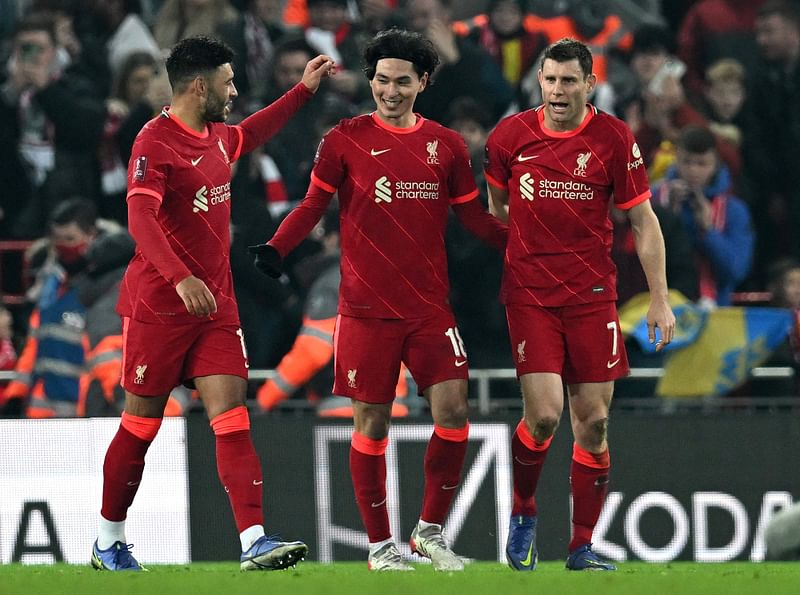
397	175
180	320
552	172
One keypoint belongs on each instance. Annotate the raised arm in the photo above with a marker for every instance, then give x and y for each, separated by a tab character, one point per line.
266	122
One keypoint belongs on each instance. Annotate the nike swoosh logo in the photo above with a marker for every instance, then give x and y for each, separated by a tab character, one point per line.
378	504
522	157
527	560
460	363
612	364
375	153
257	482
601	481
196	161
446	487
133	483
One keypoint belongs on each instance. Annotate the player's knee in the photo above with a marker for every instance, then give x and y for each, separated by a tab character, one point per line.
456	413
544	428
598	431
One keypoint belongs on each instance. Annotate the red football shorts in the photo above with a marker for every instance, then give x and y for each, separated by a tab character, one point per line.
158	357
368	352
581	343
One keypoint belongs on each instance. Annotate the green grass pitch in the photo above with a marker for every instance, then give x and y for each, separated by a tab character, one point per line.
351	578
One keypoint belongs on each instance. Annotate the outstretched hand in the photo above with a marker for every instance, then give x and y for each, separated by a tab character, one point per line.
317	68
267	260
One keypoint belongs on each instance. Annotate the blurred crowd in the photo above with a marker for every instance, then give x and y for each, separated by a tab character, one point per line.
708	87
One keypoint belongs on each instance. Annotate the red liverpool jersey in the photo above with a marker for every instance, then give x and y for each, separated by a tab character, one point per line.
559	188
395	188
190	173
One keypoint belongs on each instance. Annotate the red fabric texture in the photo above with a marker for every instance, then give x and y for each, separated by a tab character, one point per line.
240	473
150	239
122	473
527	464
368	473
481	224
444	459
589	488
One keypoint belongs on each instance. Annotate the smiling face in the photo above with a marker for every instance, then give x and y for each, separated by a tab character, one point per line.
395	87
220	92
565	90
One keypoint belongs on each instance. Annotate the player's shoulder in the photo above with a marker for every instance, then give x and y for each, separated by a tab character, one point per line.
604	120
353	125
154	129
440	131
511	123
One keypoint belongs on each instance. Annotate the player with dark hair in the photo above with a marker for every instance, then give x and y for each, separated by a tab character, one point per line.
396	174
180	320
552	172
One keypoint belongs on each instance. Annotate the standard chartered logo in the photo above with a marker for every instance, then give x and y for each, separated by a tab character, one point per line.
526	186
554	189
200	200
219	195
383	190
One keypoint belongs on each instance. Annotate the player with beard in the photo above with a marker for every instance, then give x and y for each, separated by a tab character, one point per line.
552	172
180	320
397	175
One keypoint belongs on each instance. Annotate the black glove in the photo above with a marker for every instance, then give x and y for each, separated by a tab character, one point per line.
267	260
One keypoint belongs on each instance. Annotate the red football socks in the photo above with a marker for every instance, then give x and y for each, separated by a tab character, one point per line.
528	460
444	459
124	464
589	479
239	467
368	471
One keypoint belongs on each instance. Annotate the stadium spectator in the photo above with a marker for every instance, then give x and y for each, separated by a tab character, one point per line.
332	32
772	135
127	109
396	175
698	188
51	121
552	172
657	109
377	15
724	95
715	29
179	312
52	362
594	23
681	267
509	38
119	31
466	70
286	160
253	37
178	19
